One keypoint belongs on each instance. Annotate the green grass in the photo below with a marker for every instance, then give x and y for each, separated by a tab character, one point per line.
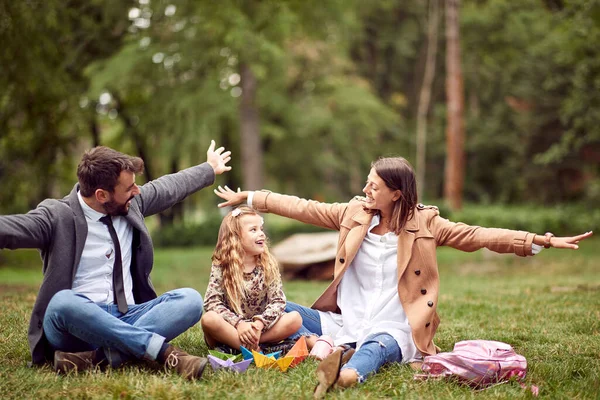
547	307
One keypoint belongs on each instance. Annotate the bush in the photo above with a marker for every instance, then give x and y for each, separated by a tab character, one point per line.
563	220
187	235
280	228
205	233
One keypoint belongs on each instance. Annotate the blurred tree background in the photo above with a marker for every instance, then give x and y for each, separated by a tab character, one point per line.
306	94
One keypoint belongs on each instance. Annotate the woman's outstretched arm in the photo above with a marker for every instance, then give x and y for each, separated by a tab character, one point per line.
325	215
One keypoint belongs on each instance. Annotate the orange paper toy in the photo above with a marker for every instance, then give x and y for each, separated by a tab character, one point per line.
299	351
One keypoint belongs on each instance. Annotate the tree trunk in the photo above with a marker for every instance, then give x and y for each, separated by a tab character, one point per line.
251	147
93	124
425	95
225	138
455	130
138	139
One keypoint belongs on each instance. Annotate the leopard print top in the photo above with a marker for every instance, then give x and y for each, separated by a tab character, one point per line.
266	304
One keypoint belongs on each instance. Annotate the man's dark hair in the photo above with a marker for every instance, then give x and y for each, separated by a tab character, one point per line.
100	168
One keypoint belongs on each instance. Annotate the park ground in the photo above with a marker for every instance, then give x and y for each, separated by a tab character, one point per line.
547	307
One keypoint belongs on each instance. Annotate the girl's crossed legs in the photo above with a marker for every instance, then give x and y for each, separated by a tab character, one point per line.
214	326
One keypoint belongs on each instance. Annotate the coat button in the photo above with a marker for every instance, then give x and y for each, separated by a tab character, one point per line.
40	324
430	303
427	324
418	272
423	291
342	260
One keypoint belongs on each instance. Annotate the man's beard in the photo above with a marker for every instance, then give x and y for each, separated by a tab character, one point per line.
115	209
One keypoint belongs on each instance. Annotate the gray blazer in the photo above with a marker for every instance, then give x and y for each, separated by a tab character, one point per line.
59	230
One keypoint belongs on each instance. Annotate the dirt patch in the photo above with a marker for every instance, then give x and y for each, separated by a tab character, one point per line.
577	288
16	289
478	268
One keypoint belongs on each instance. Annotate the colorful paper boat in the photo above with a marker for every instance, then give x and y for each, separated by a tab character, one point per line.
225	356
218	363
267	362
247	354
299	351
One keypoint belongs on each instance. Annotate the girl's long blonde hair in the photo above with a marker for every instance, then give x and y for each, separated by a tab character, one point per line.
229	255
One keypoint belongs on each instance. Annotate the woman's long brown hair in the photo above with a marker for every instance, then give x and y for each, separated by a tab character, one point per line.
398	174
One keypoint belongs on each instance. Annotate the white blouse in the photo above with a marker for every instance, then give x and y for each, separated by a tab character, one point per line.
368	297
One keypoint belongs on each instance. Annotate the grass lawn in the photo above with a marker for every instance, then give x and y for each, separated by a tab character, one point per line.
547	307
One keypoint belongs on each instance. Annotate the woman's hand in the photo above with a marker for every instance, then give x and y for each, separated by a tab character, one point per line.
568	242
232	198
247	335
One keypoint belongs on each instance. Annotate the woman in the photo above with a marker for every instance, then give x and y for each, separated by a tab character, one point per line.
384	292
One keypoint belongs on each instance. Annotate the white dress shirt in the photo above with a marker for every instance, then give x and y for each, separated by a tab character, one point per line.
93	278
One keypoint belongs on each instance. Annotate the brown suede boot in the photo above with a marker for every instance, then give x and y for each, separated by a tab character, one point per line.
186	365
74	362
328	373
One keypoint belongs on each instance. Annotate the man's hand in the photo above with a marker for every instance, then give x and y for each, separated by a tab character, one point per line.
233	198
218	159
247	335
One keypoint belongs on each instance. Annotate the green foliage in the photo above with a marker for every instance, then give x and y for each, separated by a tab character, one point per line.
531	86
338	86
46	46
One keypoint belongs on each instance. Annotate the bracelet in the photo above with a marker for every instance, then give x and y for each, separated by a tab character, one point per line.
547	237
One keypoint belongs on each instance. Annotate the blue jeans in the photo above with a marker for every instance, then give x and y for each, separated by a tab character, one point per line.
74	323
377	350
311	321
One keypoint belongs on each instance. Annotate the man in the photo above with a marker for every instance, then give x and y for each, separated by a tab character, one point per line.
96	305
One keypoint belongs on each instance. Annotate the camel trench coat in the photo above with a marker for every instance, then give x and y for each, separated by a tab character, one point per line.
418	278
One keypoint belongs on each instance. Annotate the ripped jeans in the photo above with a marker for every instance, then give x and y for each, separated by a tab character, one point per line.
377	350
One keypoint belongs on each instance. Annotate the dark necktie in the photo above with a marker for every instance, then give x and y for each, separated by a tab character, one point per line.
118	286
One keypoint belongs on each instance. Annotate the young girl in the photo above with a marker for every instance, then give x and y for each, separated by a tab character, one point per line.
244	302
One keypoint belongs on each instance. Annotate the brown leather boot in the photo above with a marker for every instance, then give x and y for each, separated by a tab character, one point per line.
74	362
186	365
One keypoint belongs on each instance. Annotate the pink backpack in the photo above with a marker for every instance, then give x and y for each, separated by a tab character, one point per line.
478	363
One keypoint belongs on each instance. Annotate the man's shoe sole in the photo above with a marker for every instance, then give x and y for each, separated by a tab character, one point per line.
203	364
